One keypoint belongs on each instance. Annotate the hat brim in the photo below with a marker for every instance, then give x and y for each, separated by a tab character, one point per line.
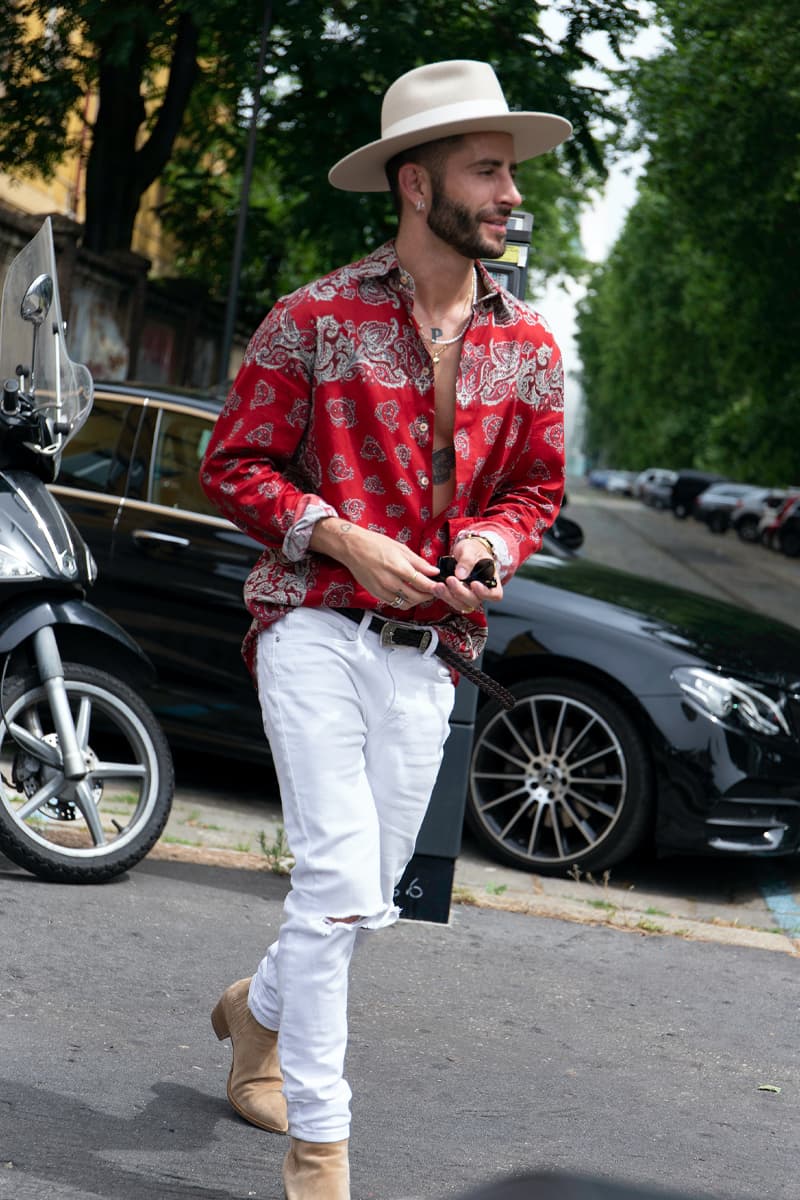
364	170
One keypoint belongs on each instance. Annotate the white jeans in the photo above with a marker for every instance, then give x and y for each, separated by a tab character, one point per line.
357	732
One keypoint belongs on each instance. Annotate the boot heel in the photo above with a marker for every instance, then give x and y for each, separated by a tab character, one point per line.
219	1022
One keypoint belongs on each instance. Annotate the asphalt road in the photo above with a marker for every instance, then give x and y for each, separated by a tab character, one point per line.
624	533
501	1043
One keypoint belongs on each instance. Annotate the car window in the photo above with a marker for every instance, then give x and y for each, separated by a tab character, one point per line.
99	456
181	441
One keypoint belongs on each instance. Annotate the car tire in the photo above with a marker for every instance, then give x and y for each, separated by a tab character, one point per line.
525	803
681	511
717	522
747	528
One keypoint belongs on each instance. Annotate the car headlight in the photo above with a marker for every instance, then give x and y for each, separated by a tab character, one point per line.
723	696
12	566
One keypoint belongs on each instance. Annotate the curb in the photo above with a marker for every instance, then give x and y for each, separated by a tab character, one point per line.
623	919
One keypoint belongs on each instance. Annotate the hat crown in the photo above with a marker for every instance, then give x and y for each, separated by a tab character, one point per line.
438	100
438	89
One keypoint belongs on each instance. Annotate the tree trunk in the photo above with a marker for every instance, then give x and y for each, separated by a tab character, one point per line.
117	172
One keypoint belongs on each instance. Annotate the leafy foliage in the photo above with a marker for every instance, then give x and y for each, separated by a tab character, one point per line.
689	335
173	75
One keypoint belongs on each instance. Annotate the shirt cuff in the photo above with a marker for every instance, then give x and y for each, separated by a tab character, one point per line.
298	536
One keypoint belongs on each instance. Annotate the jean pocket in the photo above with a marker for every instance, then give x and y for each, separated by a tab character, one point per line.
315	626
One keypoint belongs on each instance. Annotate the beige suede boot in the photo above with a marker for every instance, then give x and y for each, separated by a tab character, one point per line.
316	1171
255	1080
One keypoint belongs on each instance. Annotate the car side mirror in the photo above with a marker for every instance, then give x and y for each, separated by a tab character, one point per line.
567	532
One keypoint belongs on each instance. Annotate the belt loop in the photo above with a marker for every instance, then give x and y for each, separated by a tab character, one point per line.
364	623
431	649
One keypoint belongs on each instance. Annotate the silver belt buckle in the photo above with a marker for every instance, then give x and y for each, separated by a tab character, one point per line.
388	631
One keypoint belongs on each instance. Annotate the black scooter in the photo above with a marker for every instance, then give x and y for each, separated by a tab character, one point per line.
86	776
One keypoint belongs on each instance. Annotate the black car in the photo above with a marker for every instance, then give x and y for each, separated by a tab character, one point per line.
689	484
644	714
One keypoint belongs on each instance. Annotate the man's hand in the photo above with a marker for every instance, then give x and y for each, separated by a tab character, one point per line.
387	569
460	596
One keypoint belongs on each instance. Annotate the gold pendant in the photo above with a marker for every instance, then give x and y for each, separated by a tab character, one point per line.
436	358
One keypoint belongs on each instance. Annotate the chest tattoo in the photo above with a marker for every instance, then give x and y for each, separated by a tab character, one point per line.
444	461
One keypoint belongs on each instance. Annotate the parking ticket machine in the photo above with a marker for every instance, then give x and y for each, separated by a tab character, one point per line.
425	890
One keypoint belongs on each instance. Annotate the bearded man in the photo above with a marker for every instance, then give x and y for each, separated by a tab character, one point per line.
402	410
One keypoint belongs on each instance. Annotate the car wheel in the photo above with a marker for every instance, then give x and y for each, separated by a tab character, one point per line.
717	522
681	511
747	529
560	782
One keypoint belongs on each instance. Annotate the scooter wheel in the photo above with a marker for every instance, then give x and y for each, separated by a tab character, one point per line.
91	829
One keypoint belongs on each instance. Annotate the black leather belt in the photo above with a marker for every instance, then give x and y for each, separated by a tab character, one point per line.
419	637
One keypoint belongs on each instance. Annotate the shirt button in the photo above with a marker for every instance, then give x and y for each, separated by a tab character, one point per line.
424	480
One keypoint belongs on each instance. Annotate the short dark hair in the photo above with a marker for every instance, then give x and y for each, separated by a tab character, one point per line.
430	155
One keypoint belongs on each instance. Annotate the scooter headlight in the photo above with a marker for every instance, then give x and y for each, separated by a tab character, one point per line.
724	697
12	566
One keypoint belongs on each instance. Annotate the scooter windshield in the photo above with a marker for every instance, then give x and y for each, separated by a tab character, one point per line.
32	338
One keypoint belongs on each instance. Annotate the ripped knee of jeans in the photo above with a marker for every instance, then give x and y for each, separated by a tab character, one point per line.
343	920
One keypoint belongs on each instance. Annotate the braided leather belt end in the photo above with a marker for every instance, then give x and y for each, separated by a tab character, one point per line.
418	637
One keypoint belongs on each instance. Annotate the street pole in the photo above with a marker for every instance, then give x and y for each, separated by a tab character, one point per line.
244	202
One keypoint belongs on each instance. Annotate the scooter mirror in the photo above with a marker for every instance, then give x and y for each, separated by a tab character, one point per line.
37	300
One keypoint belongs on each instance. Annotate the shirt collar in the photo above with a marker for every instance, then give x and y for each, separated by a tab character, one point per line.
383	264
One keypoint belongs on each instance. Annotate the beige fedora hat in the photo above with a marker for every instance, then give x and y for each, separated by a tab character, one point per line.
438	100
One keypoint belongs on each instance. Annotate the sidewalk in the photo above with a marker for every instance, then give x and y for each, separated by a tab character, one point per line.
689	902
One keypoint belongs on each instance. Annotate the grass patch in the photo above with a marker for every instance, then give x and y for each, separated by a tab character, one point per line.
277	853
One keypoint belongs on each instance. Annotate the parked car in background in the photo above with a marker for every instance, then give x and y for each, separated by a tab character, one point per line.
657	492
772	520
687	486
786	536
714	505
597	477
620	483
747	513
645	714
651	475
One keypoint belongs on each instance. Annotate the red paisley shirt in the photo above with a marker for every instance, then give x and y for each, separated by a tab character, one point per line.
332	413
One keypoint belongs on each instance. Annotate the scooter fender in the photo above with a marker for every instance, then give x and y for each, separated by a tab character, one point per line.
20	621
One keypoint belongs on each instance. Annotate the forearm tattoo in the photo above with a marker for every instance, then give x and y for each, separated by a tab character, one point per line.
444	462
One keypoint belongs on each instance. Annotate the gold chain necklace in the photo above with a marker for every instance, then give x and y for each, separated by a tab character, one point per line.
440	346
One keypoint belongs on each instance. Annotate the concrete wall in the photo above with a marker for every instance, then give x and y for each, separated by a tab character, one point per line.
119	323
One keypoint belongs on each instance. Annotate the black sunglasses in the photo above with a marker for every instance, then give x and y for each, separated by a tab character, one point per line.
482	572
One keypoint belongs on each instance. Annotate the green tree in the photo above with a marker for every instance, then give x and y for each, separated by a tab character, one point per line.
327	66
142	58
711	285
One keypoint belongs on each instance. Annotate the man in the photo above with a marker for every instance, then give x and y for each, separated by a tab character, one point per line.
402	409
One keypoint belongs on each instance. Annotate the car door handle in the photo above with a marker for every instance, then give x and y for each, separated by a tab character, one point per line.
171	539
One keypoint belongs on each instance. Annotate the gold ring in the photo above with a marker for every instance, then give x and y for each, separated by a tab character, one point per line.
411	580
